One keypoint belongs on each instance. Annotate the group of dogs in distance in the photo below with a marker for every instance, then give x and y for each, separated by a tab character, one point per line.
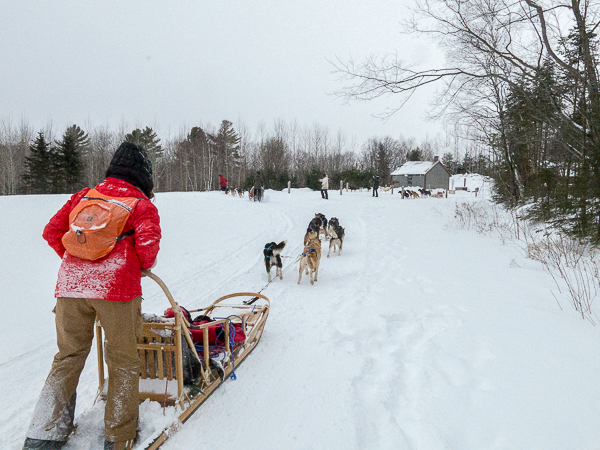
407	193
235	192
240	193
311	253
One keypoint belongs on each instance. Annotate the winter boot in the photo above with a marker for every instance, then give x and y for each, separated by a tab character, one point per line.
42	444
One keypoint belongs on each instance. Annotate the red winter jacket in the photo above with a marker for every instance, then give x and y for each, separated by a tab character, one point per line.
222	181
117	276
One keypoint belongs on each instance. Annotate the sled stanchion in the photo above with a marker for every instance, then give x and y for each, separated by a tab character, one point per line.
206	347
227	344
100	352
178	361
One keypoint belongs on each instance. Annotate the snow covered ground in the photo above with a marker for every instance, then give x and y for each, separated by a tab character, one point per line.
418	336
468	182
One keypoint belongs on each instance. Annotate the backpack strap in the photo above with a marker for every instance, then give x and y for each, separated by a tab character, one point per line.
125	235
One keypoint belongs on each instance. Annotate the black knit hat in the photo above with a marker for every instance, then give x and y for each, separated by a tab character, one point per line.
131	163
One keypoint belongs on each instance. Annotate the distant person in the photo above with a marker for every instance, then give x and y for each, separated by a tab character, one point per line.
102	282
324	186
223	183
375	186
257	186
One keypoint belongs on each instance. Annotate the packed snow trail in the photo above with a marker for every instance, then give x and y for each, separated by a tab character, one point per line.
416	337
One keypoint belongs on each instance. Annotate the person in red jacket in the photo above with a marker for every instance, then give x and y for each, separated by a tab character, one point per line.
223	183
108	288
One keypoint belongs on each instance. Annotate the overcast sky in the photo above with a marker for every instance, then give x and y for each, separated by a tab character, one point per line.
171	64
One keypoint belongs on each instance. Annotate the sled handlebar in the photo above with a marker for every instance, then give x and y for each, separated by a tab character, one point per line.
176	309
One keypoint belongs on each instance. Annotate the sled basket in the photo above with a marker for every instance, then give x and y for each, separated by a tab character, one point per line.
165	348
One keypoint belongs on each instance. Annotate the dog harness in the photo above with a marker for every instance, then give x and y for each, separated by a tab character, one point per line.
268	248
309	250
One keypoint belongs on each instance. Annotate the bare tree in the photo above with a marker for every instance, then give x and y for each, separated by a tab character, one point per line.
14	147
490	47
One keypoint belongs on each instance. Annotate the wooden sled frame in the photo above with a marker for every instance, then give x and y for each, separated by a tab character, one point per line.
161	353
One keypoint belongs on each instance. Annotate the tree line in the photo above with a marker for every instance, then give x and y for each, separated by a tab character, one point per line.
39	163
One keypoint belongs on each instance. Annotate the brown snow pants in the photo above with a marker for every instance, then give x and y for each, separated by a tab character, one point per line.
122	324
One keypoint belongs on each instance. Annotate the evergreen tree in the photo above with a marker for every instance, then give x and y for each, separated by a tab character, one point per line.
357	178
37	176
66	165
149	140
312	178
227	146
468	162
415	155
449	162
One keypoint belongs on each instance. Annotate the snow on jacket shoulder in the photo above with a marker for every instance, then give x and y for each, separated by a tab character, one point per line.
117	276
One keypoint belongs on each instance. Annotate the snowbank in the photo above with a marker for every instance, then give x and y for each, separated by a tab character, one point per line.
470	181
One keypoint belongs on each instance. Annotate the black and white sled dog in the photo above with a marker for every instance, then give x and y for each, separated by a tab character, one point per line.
272	253
314	225
323	225
337	236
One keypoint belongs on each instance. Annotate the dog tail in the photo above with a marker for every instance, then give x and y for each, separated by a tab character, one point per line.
281	245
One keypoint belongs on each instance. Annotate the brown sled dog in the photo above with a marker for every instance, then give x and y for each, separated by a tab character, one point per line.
311	257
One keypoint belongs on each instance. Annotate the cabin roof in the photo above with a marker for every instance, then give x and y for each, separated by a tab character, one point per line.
414	168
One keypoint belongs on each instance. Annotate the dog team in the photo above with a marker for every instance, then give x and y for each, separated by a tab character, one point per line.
311	253
407	193
254	194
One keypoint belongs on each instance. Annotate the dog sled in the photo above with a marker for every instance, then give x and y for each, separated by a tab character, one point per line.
253	198
183	363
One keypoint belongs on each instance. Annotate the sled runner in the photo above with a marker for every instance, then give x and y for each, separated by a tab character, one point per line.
182	364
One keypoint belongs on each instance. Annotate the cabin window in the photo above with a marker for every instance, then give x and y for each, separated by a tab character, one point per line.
409	180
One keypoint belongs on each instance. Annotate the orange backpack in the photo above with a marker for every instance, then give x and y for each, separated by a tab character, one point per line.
96	225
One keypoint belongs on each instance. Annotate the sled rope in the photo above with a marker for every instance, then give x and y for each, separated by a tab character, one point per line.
213	349
249	302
